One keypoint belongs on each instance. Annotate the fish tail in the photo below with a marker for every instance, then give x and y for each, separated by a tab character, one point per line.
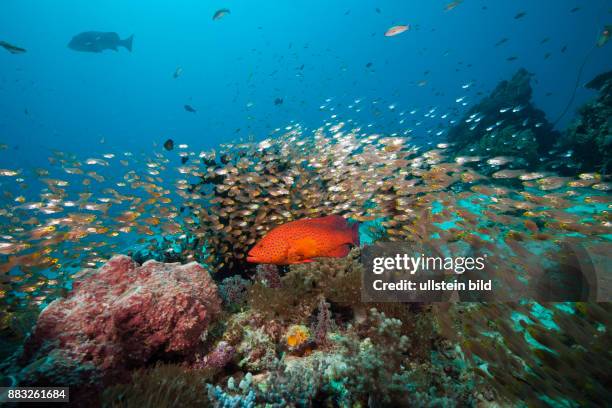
355	234
127	43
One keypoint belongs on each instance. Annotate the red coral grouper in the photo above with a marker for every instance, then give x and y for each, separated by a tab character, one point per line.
302	240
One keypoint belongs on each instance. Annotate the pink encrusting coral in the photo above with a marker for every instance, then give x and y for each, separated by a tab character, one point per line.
125	315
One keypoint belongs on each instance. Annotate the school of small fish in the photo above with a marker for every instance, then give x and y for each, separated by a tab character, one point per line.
216	205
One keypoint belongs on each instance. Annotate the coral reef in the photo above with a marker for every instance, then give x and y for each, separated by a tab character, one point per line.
587	142
267	275
300	335
218	358
324	323
233	291
335	279
372	363
366	364
119	317
505	123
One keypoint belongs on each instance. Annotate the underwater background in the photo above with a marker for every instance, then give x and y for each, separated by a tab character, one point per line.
457	128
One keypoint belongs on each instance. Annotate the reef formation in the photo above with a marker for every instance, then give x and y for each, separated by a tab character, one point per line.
505	123
589	136
217	331
116	318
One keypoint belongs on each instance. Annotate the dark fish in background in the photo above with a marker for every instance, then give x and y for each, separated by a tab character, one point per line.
564	48
278	101
520	15
500	42
13	49
190	108
177	72
219	14
169	144
97	41
511	58
452	5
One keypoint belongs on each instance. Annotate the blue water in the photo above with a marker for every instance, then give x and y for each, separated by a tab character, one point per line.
254	55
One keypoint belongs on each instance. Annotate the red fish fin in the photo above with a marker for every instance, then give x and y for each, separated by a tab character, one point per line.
334	221
355	234
339	252
302	262
301	249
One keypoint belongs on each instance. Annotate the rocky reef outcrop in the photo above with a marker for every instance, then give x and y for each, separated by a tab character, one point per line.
505	123
116	318
587	142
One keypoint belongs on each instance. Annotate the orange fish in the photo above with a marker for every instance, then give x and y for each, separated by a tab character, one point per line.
302	240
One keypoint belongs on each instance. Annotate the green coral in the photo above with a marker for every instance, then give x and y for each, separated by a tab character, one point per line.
370	368
257	350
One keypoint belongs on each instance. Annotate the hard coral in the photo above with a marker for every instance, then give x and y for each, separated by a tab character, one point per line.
268	276
218	358
370	366
233	291
122	316
336	279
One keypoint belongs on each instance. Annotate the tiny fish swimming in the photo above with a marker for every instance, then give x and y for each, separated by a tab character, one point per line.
303	240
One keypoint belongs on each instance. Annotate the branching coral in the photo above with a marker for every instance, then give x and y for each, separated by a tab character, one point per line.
257	350
336	279
233	291
323	324
370	366
241	396
289	383
268	276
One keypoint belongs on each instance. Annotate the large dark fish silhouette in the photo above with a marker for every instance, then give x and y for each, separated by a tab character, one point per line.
13	49
97	41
